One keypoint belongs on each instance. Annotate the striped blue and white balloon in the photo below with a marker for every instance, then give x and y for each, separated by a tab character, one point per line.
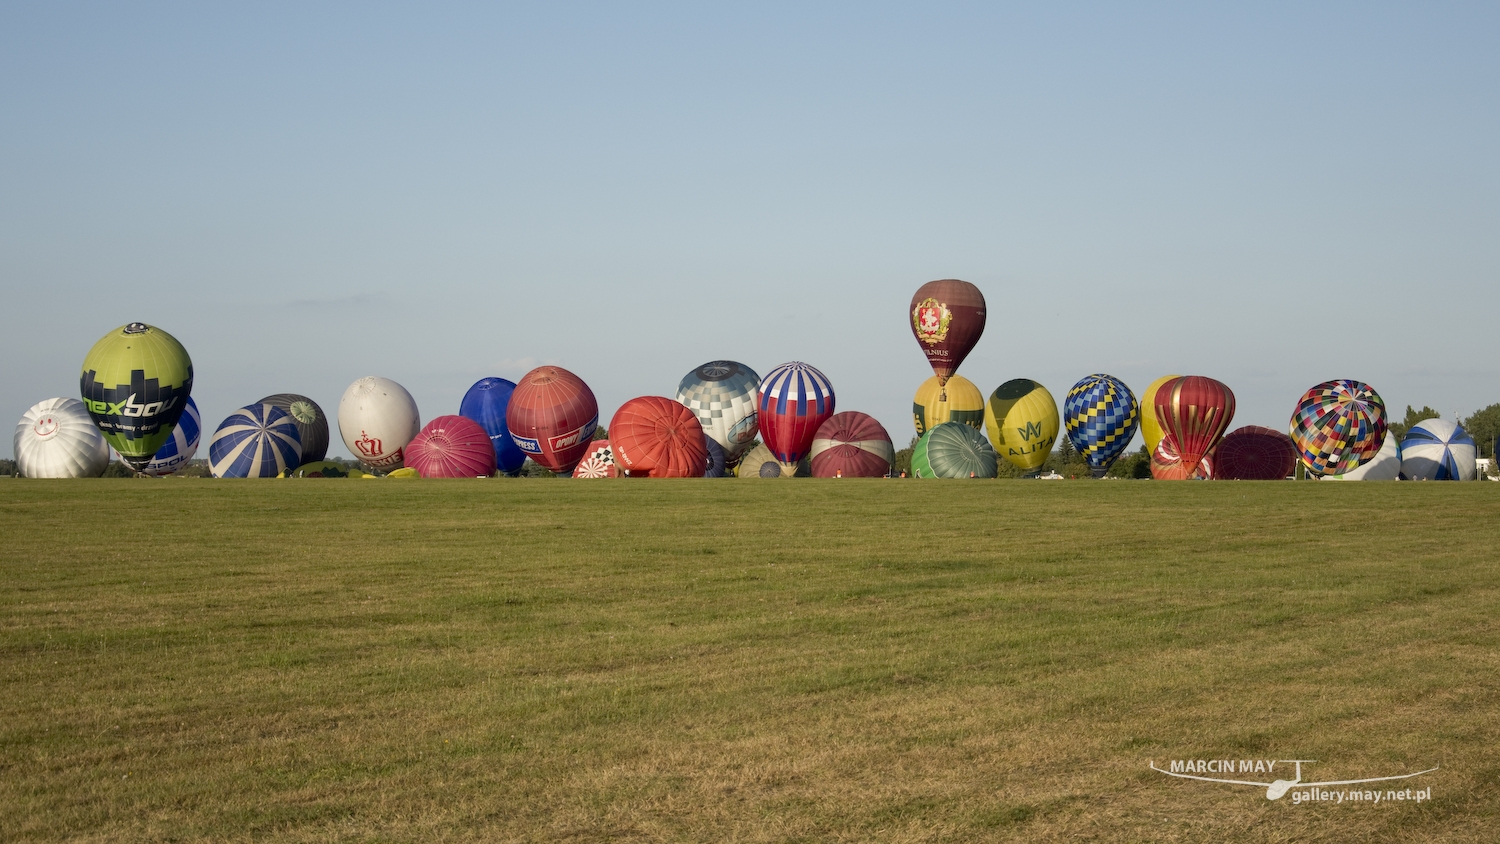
257	441
1438	450
181	447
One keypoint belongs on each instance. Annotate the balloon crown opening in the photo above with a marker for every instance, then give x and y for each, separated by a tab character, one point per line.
137	328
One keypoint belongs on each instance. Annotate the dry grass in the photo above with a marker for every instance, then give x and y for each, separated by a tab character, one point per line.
715	661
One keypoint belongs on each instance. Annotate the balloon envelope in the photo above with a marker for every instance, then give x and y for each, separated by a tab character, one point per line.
1254	453
182	445
723	395
1338	425
452	447
1384	466
552	416
1438	450
714	466
954	450
1195	411
759	462
485	403
795	399
852	445
256	441
135	384
1022	422
377	418
312	423
599	462
958	401
57	438
1151	427
323	469
947	318
1168	465
654	436
1101	414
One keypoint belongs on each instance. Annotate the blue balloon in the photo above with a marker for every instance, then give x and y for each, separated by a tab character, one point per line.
485	403
715	468
256	441
1102	415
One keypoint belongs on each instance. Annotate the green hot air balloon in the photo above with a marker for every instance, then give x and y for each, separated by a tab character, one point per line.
954	450
135	384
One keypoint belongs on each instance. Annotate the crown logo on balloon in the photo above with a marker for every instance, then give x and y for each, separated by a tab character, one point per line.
368	445
930	320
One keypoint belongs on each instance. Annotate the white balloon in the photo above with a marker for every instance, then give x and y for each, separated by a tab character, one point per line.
377	419
56	438
723	394
1384	466
1439	450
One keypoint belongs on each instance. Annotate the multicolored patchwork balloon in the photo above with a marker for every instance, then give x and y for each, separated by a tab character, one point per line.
1338	425
1102	416
256	441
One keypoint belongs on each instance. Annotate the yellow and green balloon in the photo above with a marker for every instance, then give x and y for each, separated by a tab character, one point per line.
135	384
1021	419
936	403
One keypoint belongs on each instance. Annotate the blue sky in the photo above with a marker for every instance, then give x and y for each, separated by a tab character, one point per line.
1271	196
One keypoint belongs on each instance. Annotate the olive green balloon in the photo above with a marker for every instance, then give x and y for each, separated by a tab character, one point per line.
135	384
954	450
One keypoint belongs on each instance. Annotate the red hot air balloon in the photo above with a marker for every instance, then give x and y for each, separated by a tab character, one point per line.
1168	465
852	445
552	416
1194	411
794	401
947	317
1253	453
452	447
656	437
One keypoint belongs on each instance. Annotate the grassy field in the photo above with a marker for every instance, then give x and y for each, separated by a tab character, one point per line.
718	661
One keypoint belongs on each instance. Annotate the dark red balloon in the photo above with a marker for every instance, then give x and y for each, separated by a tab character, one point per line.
852	445
552	416
657	437
452	447
1194	412
1253	453
947	318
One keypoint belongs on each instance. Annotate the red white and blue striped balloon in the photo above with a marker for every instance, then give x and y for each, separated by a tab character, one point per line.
181	447
257	441
794	400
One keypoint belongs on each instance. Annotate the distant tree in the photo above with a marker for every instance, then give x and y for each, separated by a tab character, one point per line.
1136	464
601	433
902	462
1484	427
1412	418
117	469
1066	453
7	467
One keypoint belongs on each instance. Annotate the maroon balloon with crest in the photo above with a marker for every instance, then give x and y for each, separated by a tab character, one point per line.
947	318
551	416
